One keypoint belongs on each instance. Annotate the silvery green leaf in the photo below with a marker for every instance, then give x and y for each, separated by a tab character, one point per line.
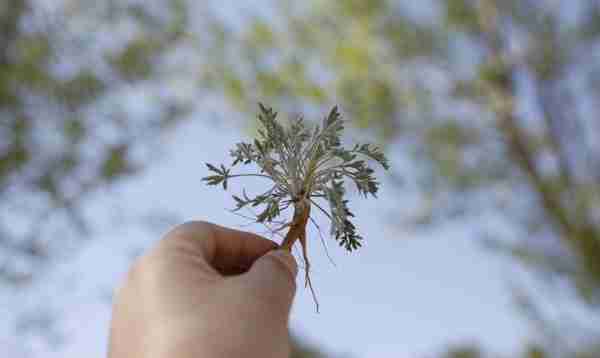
304	161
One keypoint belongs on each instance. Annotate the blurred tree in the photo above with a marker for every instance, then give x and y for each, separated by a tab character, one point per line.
493	102
70	80
532	351
301	349
463	351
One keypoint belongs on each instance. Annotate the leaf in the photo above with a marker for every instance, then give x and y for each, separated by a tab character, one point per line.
213	179
116	163
213	168
374	153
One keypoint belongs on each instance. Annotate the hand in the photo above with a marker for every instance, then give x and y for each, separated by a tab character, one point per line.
205	291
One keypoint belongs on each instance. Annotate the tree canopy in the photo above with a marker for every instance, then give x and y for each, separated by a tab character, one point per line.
69	125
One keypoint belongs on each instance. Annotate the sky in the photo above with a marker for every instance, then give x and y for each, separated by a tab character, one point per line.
401	295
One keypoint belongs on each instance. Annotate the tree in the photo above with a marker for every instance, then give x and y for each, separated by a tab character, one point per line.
301	349
67	123
532	351
493	102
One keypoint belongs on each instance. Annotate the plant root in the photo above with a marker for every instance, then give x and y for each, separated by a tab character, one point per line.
297	232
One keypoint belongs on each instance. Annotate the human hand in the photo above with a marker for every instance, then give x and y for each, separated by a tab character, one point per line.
205	291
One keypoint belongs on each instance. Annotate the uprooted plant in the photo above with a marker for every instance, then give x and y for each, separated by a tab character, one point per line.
305	165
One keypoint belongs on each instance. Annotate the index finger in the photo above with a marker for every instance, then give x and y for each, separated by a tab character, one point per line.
227	250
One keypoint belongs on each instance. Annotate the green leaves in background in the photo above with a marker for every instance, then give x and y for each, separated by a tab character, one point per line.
65	127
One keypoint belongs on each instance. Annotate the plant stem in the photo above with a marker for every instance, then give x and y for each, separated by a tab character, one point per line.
298	226
249	175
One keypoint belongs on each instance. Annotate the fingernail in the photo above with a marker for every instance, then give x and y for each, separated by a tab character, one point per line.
286	259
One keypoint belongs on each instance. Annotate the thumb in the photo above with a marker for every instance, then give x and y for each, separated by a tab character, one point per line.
272	277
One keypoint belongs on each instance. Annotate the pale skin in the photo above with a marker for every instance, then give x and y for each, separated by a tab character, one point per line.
205	291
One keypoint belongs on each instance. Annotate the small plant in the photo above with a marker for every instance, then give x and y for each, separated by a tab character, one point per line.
304	165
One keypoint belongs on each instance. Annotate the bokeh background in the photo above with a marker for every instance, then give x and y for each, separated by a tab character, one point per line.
485	241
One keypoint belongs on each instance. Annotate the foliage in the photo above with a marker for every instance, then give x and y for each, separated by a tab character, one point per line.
493	101
67	128
531	351
304	164
301	349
